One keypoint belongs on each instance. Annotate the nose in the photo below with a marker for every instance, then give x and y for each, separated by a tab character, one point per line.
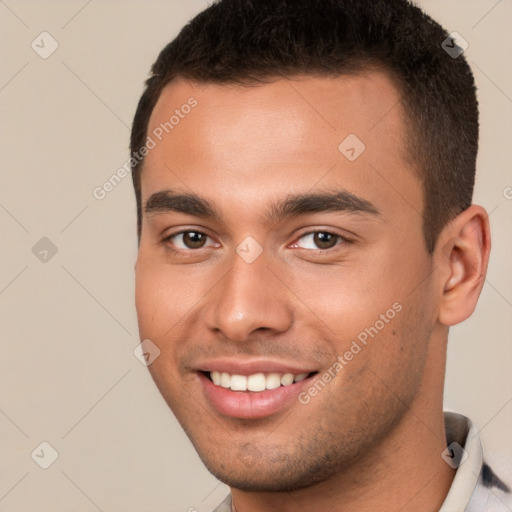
249	298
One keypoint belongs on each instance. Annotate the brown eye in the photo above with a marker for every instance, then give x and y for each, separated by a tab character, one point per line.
193	239
325	240
320	240
186	240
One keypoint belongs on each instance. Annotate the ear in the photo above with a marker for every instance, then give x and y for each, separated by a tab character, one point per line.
462	256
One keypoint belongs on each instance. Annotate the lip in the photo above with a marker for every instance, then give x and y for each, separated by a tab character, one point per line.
249	404
252	366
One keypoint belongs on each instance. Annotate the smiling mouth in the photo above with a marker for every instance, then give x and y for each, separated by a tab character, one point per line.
256	382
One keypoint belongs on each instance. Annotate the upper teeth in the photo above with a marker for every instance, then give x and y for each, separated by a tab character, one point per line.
256	382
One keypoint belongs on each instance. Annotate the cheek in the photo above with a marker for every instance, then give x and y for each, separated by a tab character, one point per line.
346	301
159	299
402	351
160	305
145	303
373	319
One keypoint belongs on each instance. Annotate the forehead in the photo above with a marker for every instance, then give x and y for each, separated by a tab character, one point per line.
287	134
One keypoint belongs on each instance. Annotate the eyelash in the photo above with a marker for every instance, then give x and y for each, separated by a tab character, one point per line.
342	241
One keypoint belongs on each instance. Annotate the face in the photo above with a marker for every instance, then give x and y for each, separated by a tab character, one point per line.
282	273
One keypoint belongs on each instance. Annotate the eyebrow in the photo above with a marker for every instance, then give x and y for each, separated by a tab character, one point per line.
292	206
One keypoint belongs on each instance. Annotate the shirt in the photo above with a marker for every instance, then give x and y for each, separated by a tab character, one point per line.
475	487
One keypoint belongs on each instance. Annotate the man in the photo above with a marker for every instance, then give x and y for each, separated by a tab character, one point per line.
304	173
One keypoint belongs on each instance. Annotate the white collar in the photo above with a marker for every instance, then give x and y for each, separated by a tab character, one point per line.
463	432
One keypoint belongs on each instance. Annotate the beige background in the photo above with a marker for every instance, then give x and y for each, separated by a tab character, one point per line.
68	325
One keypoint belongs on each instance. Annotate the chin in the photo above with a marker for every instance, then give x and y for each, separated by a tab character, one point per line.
283	475
256	482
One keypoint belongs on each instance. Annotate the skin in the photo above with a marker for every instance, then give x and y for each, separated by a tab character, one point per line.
372	438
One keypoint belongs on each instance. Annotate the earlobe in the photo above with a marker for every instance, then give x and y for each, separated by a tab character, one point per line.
463	258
